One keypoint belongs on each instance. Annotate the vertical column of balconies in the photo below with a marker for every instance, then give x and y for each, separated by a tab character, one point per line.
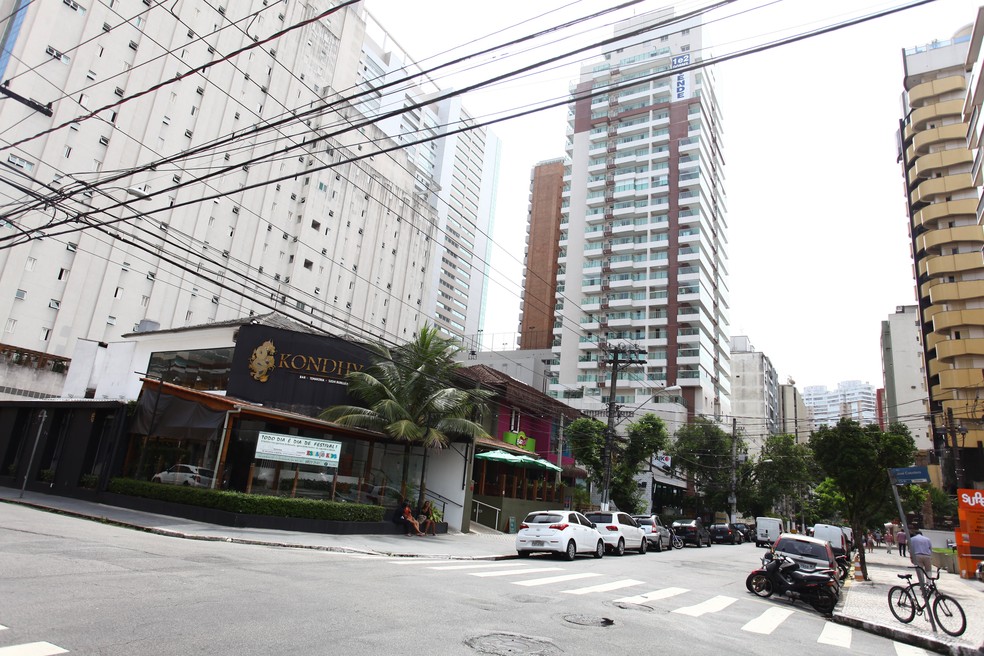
946	240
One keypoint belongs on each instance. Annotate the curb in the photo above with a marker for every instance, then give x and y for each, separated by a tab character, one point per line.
916	640
897	634
222	538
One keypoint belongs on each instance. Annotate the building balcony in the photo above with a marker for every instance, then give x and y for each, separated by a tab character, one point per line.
935	112
945	265
926	165
950	292
951	351
929	216
951	319
921	94
922	141
938	188
934	240
961	379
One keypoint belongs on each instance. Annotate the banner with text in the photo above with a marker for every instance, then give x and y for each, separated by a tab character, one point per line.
299	450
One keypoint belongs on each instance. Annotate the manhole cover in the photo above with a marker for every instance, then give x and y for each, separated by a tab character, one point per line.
512	644
588	620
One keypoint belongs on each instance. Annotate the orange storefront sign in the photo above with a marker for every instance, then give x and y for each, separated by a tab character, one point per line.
970	533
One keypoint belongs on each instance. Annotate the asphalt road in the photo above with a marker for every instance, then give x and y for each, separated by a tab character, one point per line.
74	586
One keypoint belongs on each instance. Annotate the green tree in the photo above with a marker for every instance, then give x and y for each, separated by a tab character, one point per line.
586	438
786	472
644	438
410	394
857	459
913	497
943	504
702	450
828	503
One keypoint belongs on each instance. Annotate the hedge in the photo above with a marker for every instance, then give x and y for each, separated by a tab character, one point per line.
249	504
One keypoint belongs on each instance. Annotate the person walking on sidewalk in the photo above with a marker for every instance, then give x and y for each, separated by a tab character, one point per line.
901	541
921	553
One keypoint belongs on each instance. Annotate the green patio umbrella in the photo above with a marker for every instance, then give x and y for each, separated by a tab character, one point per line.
537	462
500	456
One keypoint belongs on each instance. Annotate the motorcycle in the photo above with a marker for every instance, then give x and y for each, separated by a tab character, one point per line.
781	575
843	567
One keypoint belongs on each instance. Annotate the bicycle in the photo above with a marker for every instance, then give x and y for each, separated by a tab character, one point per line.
904	602
675	540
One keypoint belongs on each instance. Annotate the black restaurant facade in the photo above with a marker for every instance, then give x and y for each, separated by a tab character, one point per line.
229	406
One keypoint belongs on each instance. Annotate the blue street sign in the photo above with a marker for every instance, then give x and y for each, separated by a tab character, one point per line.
907	475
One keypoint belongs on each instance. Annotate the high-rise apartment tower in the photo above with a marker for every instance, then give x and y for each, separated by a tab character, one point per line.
177	183
946	232
643	259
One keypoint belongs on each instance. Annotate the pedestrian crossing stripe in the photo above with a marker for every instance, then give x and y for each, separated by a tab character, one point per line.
472	566
712	605
556	579
902	649
665	593
513	572
604	587
768	621
32	649
836	635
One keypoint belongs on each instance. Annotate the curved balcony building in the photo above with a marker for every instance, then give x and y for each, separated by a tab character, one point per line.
947	234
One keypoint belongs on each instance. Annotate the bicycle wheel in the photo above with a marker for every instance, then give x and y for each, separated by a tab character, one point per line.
902	604
949	615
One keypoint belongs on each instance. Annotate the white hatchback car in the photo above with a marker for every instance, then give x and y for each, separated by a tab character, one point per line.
185	475
563	532
619	531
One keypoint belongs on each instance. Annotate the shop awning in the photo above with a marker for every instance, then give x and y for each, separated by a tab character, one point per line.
513	459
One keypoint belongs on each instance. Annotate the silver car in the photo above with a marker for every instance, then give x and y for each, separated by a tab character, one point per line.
564	532
658	535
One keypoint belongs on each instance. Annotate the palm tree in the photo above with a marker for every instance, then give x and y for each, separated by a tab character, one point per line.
409	394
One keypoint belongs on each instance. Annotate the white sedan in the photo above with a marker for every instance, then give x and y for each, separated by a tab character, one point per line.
564	532
619	531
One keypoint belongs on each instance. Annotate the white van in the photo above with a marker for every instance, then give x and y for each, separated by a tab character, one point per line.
767	530
834	535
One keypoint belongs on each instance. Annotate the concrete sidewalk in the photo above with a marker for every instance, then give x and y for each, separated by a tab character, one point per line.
863	604
471	546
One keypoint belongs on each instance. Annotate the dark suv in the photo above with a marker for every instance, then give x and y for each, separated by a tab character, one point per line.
726	533
692	531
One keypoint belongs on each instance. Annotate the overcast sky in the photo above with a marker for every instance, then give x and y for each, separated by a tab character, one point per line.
818	252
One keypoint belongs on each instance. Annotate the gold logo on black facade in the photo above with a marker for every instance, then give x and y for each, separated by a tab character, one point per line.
262	362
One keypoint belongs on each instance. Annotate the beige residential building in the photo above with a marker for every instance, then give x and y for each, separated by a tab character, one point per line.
947	235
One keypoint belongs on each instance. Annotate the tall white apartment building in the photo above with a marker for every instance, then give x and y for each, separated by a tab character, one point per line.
852	399
192	172
455	172
906	398
643	247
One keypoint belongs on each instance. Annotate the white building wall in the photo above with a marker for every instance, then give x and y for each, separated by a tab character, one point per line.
348	248
906	398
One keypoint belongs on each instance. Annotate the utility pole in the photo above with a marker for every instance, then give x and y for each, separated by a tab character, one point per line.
733	497
951	428
613	354
606	493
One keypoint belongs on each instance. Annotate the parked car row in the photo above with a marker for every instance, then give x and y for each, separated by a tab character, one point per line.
569	533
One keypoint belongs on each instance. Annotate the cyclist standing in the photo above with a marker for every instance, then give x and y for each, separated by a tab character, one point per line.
921	552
